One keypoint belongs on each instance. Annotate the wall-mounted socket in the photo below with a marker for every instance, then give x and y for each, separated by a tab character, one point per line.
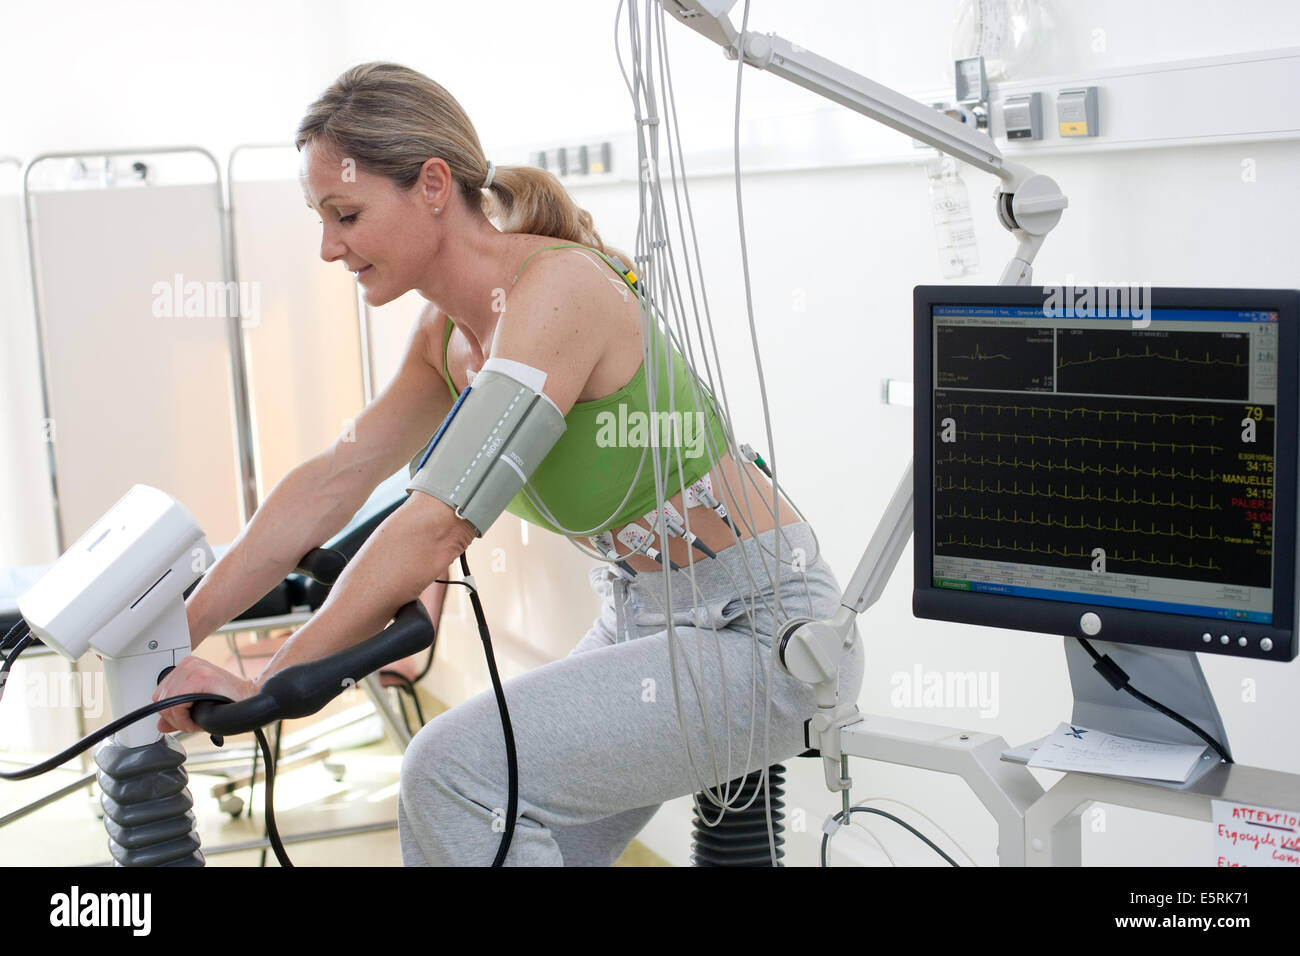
586	160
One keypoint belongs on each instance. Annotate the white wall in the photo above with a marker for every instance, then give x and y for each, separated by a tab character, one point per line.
88	75
833	254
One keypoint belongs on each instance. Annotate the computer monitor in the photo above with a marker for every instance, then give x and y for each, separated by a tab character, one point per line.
1115	463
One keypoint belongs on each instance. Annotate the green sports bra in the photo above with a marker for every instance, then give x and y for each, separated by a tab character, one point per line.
584	479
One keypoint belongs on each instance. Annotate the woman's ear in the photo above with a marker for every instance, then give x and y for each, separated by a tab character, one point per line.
435	183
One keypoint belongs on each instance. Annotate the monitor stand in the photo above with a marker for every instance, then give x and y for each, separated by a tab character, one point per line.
1173	678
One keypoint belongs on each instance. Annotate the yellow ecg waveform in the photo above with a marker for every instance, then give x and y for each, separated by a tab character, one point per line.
1033	492
1080	525
1117	415
980	356
1235	363
1084	441
1032	465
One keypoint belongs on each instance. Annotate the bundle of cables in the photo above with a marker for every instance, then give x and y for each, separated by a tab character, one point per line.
20	638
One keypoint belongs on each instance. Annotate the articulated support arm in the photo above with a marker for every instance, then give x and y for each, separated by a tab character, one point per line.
1028	205
812	650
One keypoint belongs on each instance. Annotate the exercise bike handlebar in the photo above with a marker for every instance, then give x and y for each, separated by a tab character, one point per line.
323	565
303	689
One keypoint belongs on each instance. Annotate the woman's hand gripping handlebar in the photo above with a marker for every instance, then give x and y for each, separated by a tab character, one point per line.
303	689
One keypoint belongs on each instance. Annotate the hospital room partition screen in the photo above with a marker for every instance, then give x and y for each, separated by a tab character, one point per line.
26	505
135	360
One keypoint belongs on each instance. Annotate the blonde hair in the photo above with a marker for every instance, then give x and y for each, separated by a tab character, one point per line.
390	119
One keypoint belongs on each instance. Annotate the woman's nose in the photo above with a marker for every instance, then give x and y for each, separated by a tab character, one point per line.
331	250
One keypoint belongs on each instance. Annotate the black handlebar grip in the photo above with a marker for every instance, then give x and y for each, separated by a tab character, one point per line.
303	689
237	717
322	565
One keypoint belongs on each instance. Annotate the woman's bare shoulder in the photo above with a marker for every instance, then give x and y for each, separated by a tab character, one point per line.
558	250
610	310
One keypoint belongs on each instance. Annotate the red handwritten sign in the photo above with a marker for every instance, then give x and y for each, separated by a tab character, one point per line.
1246	835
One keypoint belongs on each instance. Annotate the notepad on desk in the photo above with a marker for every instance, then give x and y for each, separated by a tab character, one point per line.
1094	751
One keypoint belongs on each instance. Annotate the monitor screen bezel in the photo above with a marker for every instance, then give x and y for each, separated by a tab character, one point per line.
1122	625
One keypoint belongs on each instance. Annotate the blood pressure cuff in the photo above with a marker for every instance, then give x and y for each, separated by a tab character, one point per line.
498	432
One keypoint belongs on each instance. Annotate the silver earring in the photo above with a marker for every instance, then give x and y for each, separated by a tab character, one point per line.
435	208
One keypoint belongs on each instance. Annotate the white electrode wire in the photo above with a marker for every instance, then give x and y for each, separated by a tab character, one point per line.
767	419
725	412
756	665
685	349
657	269
830	838
669	117
951	839
657	274
686	346
653	273
756	657
645	245
771	573
662	269
749	298
708	373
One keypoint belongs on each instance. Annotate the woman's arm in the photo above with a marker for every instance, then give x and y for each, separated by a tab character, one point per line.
317	499
413	546
306	507
397	563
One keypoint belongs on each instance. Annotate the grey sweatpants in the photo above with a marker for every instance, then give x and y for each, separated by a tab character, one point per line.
598	737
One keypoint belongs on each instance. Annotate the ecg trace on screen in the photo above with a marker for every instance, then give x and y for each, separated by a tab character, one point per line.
1107	475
